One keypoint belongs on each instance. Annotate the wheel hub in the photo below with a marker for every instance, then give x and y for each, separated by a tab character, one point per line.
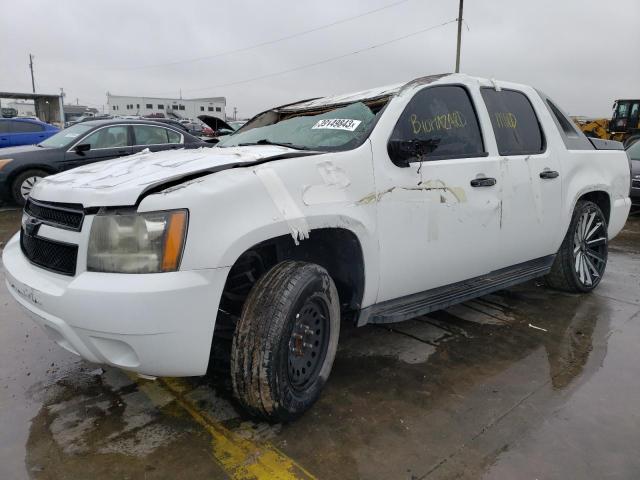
308	343
590	247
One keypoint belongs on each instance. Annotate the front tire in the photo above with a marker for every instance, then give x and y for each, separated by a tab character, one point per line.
23	184
582	258
285	341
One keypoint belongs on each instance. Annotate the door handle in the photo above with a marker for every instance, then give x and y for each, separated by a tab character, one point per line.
549	174
483	182
122	152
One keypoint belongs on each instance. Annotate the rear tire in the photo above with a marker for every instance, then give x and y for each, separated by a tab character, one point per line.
285	341
582	258
23	183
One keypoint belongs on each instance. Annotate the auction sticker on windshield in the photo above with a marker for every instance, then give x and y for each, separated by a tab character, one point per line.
337	124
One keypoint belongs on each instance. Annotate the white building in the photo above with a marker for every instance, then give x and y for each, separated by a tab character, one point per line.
169	107
25	108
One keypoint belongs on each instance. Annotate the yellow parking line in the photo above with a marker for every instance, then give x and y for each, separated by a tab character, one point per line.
239	457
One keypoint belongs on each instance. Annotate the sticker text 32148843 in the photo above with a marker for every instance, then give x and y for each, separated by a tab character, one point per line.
337	124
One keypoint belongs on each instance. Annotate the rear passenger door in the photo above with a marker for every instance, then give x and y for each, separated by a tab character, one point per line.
155	138
25	133
4	133
529	176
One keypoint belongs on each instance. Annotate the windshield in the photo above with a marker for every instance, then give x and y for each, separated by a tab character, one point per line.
65	137
337	128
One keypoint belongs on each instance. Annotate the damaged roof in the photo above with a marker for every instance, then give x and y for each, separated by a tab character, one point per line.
352	97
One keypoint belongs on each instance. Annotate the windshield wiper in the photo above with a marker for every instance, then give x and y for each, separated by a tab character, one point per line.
264	141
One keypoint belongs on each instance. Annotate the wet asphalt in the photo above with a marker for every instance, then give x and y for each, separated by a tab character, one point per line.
527	383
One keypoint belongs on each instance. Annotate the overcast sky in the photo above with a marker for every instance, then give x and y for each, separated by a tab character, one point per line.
580	52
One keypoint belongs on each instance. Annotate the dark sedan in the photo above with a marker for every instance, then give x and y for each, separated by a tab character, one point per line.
83	143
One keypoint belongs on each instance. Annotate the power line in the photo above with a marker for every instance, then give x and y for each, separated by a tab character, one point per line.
326	60
263	44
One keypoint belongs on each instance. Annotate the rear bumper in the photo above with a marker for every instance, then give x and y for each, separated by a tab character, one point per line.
155	324
618	217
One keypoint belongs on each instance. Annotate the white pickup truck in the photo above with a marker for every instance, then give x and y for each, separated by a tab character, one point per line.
375	207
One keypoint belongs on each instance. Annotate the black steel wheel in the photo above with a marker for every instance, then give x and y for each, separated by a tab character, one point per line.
582	258
285	341
308	343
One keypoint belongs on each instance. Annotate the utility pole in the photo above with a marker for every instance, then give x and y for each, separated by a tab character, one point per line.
33	83
459	37
235	112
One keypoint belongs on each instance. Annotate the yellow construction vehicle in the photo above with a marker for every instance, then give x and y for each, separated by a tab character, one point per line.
624	125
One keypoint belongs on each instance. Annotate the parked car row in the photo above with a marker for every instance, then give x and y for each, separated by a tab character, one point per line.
24	131
87	142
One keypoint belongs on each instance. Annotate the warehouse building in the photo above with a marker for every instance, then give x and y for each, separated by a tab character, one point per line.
168	107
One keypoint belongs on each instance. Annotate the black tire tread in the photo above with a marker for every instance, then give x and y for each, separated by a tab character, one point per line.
263	318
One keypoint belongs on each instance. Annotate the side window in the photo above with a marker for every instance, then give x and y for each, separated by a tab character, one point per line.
4	126
174	137
514	122
25	127
439	122
566	125
110	137
148	135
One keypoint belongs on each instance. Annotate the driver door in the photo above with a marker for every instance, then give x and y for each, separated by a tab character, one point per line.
438	213
108	142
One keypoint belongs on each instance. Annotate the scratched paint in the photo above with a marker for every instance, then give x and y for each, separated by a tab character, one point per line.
457	193
285	203
333	188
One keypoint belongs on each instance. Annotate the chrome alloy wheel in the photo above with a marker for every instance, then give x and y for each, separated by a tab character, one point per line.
590	247
28	184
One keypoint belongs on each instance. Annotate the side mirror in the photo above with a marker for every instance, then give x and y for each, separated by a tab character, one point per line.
83	147
403	152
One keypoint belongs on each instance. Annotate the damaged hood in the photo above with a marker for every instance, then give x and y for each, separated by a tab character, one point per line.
121	182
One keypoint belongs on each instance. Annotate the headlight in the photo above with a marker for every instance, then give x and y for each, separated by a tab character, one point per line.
137	242
4	161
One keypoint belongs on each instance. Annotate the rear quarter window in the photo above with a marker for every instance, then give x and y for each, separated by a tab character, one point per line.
514	122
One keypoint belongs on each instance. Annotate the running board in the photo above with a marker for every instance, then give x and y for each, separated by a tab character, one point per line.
404	308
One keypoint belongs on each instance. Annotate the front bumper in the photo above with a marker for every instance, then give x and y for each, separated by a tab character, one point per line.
155	324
